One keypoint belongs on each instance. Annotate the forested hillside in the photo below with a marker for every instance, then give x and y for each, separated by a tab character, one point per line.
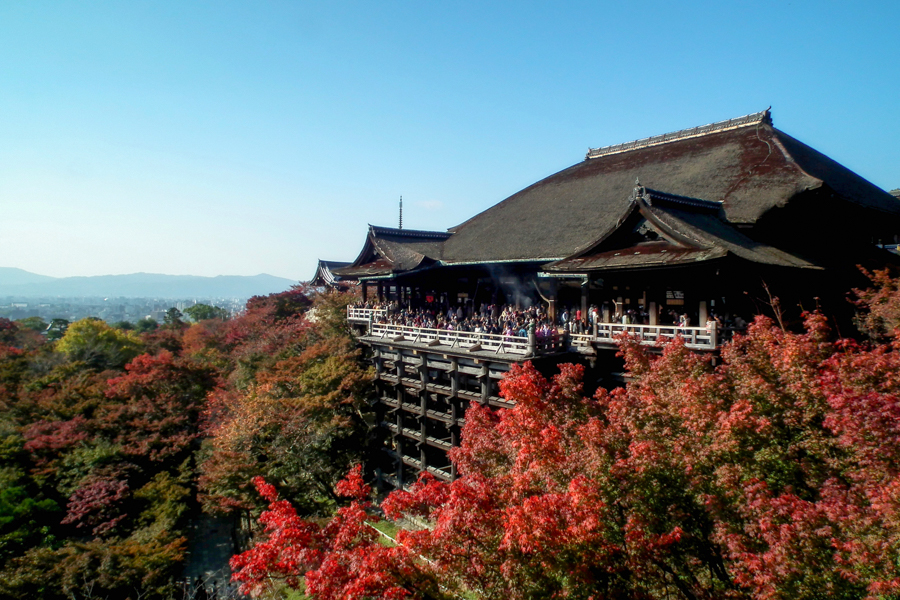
110	440
774	474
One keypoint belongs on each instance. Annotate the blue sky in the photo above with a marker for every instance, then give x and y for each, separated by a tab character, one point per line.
239	138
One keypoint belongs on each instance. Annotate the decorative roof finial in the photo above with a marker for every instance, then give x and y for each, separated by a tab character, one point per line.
401	213
638	190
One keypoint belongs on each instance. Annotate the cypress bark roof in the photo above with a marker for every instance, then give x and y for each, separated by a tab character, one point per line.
388	250
744	166
750	168
663	230
324	272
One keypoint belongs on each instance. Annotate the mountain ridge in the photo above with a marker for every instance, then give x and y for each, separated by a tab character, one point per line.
20	283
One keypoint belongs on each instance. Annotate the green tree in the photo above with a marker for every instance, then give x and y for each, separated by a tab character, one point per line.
99	345
173	317
146	324
204	312
57	329
33	323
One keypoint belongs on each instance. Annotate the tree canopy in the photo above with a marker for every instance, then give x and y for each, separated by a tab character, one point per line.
770	475
103	434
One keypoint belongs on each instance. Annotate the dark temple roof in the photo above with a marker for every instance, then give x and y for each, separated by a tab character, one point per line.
388	250
714	177
662	230
324	273
745	164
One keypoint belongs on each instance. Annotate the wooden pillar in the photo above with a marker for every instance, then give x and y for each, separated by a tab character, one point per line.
485	384
654	314
423	459
365	291
398	438
554	293
584	298
703	314
399	417
454	431
379	363
454	377
379	288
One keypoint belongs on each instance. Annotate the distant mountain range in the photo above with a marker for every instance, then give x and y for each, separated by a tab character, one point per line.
19	283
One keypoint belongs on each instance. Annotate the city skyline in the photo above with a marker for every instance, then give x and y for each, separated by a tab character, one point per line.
237	139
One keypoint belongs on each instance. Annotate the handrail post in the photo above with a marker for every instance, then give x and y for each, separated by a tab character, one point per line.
532	343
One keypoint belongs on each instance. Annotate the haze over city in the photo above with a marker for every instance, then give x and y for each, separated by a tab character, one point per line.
245	138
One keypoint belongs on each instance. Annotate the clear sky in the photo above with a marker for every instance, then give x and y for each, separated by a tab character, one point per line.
239	138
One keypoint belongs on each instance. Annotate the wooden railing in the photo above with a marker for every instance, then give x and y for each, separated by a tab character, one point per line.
696	338
467	340
362	315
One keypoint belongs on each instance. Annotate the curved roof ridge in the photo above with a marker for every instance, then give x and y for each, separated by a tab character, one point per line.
377	230
764	116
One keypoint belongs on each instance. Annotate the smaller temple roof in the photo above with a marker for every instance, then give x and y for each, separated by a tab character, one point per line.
388	250
324	273
664	229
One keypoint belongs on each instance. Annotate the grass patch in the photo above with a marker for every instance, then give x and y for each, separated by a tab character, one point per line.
388	528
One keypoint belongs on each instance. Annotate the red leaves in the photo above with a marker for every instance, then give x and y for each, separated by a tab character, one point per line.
342	560
775	474
152	409
353	486
54	436
97	504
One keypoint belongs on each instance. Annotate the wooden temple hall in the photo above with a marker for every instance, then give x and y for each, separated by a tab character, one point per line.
689	233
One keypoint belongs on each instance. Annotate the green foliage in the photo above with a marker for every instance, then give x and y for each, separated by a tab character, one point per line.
173	317
99	434
204	312
294	410
145	325
98	345
57	329
83	460
33	323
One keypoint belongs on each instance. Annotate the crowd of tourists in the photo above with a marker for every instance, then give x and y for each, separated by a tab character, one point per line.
512	321
506	320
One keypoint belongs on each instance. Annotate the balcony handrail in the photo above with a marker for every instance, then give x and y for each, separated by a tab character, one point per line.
364	314
696	338
701	338
488	342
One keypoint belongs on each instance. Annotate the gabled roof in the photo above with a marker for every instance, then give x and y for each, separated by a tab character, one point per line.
662	229
388	250
745	164
324	273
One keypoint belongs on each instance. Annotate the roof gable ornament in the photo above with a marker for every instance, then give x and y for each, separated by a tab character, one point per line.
764	116
639	192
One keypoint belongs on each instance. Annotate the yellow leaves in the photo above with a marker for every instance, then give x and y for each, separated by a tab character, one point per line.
99	345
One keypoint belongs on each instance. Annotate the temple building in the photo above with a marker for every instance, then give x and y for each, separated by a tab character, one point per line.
686	233
325	276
